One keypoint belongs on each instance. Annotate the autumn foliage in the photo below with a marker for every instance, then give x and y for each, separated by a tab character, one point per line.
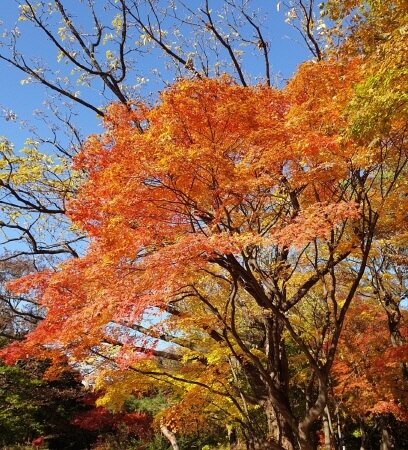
367	373
231	234
212	174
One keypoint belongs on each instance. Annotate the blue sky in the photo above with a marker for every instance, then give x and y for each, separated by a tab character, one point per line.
23	99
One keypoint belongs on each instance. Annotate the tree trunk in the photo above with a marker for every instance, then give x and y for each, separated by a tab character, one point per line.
305	443
279	430
312	414
232	437
327	428
385	443
170	436
340	435
363	444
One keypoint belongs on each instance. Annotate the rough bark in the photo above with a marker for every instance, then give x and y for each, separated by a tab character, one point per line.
279	430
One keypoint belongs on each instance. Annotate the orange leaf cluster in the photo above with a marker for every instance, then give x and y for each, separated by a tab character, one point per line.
210	171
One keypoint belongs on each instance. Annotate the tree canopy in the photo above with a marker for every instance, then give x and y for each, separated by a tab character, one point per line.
242	238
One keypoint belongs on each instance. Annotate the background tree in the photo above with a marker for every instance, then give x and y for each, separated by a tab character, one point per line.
19	314
368	385
32	407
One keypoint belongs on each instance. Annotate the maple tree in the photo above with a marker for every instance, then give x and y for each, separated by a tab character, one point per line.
100	47
232	227
232	208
